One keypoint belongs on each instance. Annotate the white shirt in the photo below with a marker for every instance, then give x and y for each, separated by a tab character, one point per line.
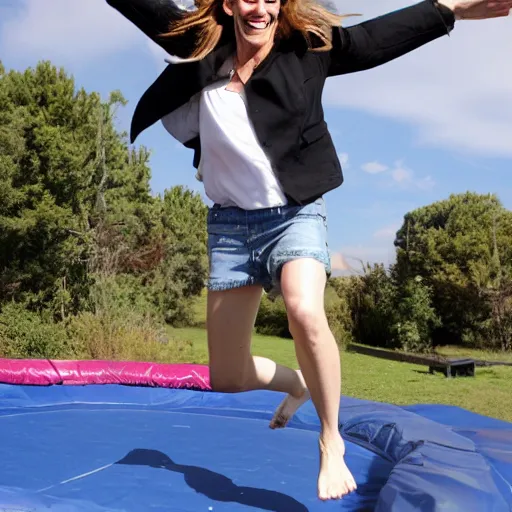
234	168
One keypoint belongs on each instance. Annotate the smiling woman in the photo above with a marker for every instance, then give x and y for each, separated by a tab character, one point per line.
257	22
248	101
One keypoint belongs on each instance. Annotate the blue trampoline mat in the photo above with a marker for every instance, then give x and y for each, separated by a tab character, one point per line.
122	448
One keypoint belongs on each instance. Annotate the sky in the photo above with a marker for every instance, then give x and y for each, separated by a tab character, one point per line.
435	122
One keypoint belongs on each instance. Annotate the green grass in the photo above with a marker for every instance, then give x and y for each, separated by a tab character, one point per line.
366	377
199	308
484	355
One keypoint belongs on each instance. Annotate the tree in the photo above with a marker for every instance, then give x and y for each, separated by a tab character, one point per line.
183	272
415	316
46	175
76	206
459	247
372	301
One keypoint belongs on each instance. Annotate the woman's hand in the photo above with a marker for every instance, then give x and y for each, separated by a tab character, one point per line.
478	9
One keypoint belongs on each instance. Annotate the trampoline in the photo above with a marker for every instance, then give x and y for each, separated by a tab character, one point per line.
98	436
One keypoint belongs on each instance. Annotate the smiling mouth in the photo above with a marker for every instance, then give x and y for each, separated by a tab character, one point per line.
256	25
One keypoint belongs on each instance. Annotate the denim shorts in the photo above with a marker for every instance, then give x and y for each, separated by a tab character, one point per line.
247	247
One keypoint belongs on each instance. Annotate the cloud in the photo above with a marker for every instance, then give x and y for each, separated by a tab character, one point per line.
338	262
343	158
374	167
352	259
387	232
456	92
399	175
426	183
406	178
66	30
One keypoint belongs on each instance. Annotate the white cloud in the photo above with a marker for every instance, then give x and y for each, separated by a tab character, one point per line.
354	258
343	158
406	178
456	91
374	167
399	175
387	232
338	262
426	183
66	30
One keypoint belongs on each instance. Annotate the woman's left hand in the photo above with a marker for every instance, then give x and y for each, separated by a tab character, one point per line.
478	9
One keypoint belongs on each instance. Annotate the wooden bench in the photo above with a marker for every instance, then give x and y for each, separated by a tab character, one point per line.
449	367
454	367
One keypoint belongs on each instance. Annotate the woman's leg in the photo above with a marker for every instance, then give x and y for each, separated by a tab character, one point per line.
303	284
231	315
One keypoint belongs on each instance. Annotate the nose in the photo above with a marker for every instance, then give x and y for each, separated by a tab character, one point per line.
260	7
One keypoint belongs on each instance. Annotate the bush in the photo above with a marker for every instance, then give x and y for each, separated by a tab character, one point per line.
377	311
125	335
337	309
124	324
416	317
122	292
372	300
272	319
27	334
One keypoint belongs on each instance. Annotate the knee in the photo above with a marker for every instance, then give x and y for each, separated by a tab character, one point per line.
306	321
227	382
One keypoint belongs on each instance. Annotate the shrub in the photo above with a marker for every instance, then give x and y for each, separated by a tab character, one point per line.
27	334
124	324
272	319
416	318
339	317
125	335
371	298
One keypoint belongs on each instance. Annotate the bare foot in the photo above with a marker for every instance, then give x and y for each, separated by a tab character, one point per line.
289	406
334	480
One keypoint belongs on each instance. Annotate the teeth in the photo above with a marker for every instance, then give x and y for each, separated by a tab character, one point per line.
257	24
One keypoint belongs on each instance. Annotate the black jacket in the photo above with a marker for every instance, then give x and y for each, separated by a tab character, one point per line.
284	93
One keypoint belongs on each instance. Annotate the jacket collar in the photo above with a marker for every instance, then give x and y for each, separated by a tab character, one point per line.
219	56
179	81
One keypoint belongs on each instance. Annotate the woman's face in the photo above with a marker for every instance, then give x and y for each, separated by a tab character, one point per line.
255	20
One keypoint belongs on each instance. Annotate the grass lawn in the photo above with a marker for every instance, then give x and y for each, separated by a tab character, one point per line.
484	355
489	393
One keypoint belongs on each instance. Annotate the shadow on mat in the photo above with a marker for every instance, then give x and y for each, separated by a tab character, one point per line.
214	485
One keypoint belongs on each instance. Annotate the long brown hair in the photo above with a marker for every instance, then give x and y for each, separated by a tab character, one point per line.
209	22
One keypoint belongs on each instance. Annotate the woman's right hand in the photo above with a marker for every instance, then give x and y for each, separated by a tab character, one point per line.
478	9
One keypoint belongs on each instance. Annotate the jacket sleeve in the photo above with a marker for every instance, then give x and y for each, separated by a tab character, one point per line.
153	17
387	37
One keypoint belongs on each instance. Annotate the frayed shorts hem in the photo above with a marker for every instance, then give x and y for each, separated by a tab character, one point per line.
274	288
270	287
232	284
250	247
291	255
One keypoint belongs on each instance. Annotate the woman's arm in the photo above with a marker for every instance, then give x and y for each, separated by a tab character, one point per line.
153	18
382	39
387	37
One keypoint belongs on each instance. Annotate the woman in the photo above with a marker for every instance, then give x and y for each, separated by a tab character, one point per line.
248	101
